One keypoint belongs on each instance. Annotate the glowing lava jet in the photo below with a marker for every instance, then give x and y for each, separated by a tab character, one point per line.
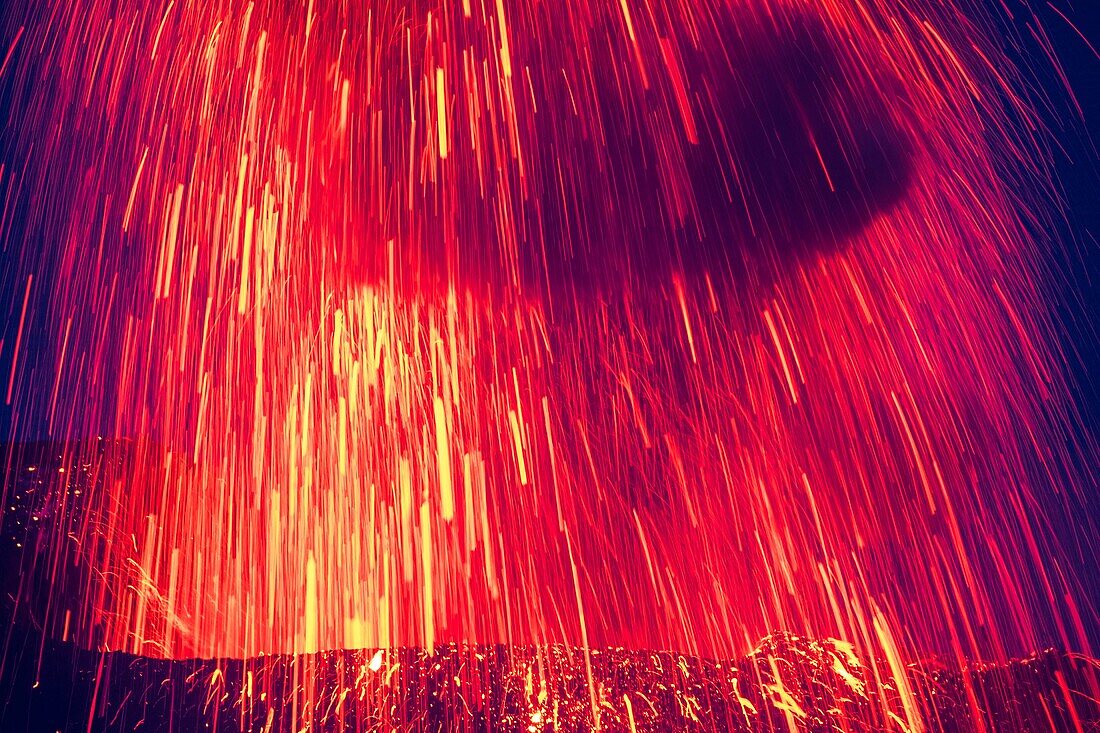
651	323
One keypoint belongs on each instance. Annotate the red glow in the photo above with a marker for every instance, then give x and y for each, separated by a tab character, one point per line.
291	251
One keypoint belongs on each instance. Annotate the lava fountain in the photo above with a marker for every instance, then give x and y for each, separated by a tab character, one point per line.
647	323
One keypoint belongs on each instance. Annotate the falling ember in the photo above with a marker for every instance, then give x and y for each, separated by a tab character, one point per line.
652	325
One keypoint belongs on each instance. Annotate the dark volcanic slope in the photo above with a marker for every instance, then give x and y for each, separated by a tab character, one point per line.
788	684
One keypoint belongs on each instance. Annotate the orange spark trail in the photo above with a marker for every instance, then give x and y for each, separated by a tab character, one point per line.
648	324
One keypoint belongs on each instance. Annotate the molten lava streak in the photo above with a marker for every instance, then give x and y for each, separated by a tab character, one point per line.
651	323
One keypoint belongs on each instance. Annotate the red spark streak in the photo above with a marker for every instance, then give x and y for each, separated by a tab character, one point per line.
289	245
